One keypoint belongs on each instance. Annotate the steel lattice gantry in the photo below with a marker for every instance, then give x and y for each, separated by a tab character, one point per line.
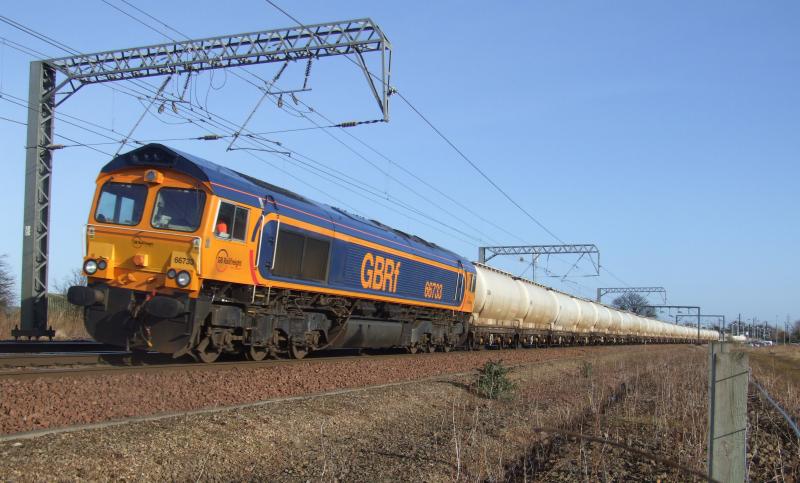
585	249
623	290
719	317
349	37
687	307
537	250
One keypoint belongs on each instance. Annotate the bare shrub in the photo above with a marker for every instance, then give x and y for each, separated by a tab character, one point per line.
7	284
493	381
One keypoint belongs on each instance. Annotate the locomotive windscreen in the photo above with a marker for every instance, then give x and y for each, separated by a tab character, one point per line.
121	203
178	209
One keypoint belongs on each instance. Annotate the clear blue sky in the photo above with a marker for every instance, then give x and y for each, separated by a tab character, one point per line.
664	132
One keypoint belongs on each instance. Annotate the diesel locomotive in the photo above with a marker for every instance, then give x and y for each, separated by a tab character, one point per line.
184	256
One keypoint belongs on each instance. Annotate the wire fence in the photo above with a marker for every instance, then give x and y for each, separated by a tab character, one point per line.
792	424
58	305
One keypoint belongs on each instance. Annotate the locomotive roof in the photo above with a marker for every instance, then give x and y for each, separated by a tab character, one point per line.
242	188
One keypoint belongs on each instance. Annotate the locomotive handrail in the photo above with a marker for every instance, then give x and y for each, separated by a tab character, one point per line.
199	239
275	250
260	240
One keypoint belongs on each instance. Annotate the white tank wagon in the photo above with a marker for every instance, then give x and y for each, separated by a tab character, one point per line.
512	311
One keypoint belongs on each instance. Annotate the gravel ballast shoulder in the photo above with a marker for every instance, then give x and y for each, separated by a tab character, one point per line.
431	431
46	403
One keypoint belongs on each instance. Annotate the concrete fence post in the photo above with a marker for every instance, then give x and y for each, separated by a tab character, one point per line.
727	413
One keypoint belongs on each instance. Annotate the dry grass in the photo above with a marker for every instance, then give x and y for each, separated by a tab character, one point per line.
65	319
778	370
654	407
643	400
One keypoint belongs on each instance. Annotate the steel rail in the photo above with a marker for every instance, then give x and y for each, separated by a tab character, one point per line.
60	359
100	370
143	366
33	347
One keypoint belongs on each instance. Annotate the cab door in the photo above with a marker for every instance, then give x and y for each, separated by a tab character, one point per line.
231	243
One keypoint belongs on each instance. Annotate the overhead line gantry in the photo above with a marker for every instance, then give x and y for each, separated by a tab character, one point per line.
695	308
537	250
623	290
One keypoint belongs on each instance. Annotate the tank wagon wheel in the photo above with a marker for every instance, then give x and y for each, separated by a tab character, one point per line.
430	348
256	353
297	352
412	349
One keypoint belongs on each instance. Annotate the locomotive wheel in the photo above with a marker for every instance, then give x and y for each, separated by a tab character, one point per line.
256	353
297	352
208	355
206	352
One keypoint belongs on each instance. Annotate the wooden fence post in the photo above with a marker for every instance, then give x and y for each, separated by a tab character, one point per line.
727	413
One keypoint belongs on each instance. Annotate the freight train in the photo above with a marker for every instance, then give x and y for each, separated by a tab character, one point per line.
187	257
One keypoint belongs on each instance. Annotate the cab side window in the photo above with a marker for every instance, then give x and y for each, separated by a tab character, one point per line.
231	222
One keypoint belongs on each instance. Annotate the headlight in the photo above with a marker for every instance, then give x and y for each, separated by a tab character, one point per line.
183	278
171	273
90	267
102	264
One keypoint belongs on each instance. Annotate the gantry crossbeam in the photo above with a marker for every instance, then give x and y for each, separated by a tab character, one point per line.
623	290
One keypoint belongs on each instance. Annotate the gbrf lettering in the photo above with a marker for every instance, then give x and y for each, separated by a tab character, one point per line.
379	273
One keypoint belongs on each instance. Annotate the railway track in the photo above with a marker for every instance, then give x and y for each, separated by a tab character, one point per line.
18	366
92	364
37	346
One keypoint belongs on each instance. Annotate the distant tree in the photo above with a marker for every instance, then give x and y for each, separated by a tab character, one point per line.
634	302
7	284
75	277
795	330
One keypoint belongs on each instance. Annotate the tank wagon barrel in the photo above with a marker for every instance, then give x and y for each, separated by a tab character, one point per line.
510	310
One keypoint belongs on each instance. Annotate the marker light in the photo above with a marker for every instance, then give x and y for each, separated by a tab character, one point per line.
171	273
102	264
90	267
183	278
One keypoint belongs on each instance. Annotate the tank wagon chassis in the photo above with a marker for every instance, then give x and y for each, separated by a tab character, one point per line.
502	338
256	322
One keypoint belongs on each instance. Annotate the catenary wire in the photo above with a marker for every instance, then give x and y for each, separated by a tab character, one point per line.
67	48
316	125
354	183
450	143
459	151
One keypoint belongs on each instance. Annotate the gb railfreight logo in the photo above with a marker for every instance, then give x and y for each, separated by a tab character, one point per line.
225	261
379	273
